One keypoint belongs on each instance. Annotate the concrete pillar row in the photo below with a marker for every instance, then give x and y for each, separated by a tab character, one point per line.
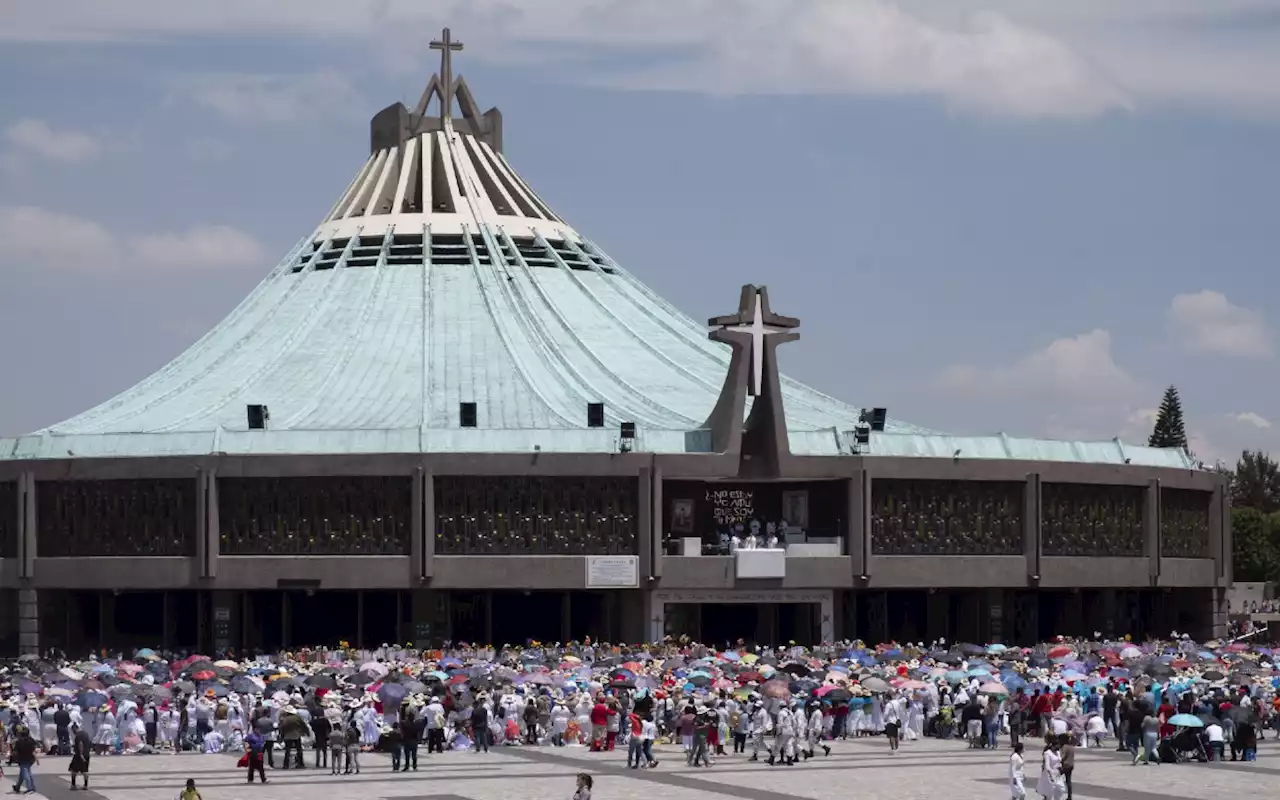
858	541
657	526
28	597
1151	527
211	532
1032	523
645	526
28	526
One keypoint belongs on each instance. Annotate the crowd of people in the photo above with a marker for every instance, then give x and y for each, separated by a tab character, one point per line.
1161	701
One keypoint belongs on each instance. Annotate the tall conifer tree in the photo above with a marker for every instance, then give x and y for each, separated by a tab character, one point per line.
1170	430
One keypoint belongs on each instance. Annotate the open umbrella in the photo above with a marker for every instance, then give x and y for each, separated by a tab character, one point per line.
993	688
392	694
875	685
776	688
1185	721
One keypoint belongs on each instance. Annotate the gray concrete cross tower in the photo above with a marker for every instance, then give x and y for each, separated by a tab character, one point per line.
754	333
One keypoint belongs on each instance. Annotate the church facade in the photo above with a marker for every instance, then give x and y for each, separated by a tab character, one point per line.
447	415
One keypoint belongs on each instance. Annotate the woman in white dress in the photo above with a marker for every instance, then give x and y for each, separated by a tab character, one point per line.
105	737
369	729
877	714
1051	785
1017	774
166	726
915	718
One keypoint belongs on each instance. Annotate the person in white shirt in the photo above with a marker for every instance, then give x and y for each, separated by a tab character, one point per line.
648	732
761	723
213	741
559	723
1095	730
1213	732
1017	774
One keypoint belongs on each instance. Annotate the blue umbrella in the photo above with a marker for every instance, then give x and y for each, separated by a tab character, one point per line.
91	700
391	694
1186	721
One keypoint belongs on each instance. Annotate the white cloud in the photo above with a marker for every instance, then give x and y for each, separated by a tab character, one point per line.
1250	418
38	238
1210	323
270	98
1072	368
1072	388
30	140
1002	56
48	239
202	246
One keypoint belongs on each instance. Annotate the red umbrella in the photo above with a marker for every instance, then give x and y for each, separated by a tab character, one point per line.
1059	652
203	675
457	679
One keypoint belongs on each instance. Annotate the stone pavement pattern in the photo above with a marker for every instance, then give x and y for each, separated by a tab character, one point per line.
860	768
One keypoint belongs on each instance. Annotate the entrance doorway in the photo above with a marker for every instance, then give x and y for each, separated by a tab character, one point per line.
766	618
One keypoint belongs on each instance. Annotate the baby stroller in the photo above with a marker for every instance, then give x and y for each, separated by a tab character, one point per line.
1181	747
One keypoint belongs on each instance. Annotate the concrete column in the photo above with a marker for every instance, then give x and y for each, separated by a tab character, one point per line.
428	624
657	534
858	512
1218	612
1215	531
228	610
28	622
657	619
286	620
417	554
1151	527
212	532
428	524
995	608
1227	574
1032	518
644	524
28	527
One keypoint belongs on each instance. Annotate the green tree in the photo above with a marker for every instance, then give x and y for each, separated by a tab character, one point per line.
1256	545
1256	482
1170	430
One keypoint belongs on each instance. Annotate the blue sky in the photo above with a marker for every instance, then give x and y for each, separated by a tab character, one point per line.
1018	216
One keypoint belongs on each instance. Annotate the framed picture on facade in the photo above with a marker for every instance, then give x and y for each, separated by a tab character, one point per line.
795	508
682	515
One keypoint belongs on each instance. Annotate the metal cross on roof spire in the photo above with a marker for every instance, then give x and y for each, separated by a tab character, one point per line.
447	47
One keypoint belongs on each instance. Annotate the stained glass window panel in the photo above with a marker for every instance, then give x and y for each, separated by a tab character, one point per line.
134	517
335	515
922	517
1184	523
536	515
1095	520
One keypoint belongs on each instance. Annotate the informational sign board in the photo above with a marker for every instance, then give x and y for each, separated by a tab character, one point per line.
613	572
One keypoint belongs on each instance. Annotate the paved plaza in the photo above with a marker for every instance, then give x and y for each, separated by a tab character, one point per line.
857	768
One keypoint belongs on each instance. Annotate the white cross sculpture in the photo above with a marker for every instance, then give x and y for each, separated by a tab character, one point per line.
757	330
